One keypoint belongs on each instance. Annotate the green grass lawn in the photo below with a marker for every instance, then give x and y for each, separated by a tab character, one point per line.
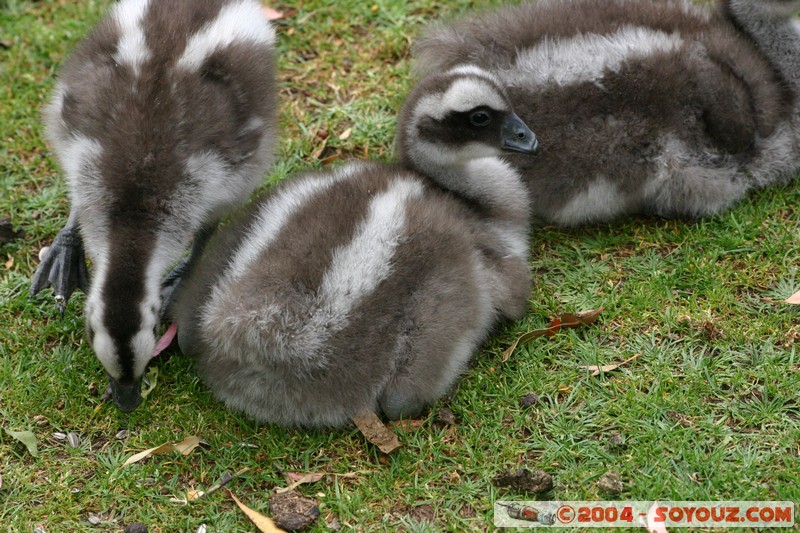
708	410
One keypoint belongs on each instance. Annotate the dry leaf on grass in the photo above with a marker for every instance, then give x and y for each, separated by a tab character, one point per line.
406	425
28	439
226	478
185	447
263	523
295	479
304	478
299	479
567	320
794	299
376	432
607	368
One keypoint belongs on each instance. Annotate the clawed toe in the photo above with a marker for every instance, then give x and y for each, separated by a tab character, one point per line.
63	268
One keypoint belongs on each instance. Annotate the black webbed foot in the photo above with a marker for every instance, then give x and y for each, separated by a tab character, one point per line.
63	268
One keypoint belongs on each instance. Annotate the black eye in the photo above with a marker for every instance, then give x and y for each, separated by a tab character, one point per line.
480	119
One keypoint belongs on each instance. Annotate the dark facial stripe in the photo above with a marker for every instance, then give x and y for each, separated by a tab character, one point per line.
124	291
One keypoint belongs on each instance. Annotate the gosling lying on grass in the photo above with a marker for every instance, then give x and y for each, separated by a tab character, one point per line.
644	107
369	287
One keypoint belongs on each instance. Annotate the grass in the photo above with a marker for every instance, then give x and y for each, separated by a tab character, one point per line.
707	411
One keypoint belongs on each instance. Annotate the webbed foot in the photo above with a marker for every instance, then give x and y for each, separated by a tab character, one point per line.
63	268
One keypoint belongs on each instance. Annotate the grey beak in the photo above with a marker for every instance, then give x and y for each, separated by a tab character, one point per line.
517	136
126	397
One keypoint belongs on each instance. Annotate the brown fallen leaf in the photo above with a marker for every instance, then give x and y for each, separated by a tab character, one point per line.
298	479
305	478
794	299
185	447
263	523
376	432
226	478
10	263
567	320
345	134
406	425
327	160
317	153
608	368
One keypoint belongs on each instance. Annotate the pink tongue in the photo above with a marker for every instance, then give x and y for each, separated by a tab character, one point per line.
166	339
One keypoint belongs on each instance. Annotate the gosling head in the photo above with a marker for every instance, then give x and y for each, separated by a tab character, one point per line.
123	307
459	116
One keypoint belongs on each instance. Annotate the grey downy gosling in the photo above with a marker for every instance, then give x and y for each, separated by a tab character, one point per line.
163	119
644	107
369	286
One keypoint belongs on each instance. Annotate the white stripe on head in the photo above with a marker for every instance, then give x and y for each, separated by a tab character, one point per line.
132	47
468	93
474	71
102	344
585	58
237	22
474	88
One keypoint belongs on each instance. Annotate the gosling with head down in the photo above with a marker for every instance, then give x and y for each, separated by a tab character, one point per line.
164	119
